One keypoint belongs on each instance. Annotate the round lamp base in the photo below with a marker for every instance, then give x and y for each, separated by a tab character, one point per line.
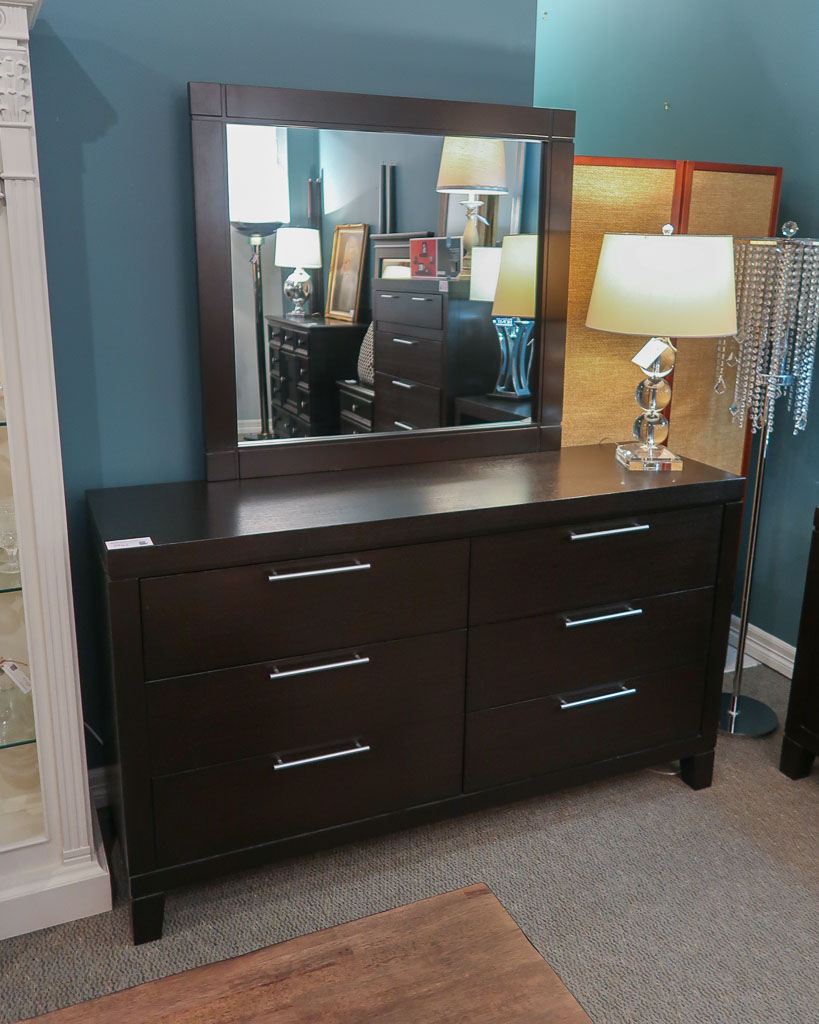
753	718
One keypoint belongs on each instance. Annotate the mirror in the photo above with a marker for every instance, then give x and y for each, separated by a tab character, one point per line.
381	282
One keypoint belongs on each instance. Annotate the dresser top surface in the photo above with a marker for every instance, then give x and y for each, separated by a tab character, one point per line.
198	525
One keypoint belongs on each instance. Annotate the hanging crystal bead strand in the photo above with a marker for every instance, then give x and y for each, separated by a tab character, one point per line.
806	330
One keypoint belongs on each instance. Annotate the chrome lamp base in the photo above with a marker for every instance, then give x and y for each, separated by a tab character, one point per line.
645	457
750	717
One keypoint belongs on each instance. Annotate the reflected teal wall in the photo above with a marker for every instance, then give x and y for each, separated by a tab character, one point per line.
741	82
112	128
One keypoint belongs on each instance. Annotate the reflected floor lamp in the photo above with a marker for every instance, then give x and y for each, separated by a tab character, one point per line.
258	204
774	350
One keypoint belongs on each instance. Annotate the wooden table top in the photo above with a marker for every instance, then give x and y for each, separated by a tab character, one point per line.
454	958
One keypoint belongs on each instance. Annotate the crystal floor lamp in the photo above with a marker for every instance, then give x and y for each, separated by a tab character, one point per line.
774	349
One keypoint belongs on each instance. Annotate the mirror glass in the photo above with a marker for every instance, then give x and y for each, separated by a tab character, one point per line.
381	281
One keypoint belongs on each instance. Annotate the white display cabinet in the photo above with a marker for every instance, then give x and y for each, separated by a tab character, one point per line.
52	867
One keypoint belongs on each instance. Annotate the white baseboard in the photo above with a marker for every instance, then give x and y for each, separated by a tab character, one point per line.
765	647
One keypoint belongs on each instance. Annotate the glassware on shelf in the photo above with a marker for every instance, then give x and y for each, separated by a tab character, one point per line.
8	540
16	714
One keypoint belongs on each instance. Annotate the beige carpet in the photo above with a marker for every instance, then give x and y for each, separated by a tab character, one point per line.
655	904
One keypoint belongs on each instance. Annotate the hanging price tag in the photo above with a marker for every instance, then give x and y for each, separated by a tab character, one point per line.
17	675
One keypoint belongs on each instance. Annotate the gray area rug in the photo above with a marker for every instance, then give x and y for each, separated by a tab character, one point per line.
655	904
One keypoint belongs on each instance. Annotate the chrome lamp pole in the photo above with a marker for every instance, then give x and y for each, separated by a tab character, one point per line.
778	317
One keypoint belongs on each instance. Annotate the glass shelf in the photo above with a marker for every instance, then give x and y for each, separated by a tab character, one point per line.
10	582
16	718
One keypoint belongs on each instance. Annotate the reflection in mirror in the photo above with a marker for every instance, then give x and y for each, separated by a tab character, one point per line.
426	249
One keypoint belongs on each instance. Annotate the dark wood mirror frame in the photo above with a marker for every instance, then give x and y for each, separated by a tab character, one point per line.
212	105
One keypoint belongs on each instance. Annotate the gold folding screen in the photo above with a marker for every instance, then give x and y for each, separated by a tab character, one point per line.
611	194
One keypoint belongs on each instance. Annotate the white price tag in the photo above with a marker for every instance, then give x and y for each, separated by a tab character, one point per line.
649	353
443	285
17	675
129	542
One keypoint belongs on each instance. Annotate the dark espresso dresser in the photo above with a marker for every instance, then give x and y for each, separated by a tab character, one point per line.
801	741
305	660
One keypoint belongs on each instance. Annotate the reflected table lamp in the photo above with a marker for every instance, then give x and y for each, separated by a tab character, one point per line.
298	248
513	314
474	167
666	286
258	203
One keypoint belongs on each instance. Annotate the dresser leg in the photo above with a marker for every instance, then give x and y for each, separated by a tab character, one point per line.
796	761
147	914
698	770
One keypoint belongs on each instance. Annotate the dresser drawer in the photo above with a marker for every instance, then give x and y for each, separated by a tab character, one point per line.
242	712
536	571
355	402
405	405
200	621
532	738
526	658
261	799
405	308
413	358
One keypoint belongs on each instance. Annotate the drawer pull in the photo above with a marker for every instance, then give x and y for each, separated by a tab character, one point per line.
276	576
403	341
385	296
420	298
403	425
636	528
402	384
357	660
624	691
627	613
359	748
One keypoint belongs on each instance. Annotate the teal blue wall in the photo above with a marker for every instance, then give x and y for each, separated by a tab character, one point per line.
112	128
741	82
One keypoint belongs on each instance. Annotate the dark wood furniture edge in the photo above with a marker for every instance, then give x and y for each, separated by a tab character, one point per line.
800	745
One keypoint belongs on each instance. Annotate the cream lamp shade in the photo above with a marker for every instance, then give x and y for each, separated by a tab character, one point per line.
258	191
472	165
671	286
298	247
517	278
485	267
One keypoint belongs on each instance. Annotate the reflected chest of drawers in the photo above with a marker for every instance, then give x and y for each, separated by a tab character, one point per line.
430	346
307	660
307	357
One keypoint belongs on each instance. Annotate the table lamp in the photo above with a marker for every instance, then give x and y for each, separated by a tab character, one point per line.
475	167
513	314
258	203
667	286
298	248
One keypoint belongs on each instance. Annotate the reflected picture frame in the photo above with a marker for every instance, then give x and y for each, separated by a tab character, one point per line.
346	271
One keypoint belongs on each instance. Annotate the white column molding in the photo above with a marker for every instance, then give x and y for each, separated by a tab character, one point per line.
34	446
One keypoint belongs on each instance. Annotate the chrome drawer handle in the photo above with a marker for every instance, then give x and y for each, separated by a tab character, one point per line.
627	613
357	660
402	384
274	577
624	691
420	298
359	748
636	528
403	341
403	425
385	296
